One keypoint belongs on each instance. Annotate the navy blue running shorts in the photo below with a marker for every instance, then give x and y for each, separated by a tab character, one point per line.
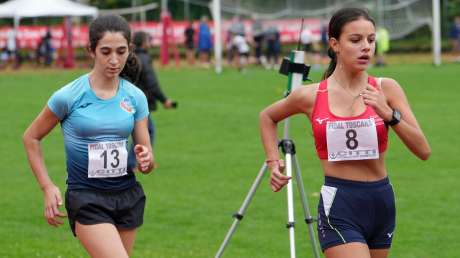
353	211
123	208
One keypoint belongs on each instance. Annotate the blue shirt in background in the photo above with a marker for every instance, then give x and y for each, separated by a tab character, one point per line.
204	37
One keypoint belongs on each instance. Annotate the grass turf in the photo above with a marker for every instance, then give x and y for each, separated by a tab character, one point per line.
209	153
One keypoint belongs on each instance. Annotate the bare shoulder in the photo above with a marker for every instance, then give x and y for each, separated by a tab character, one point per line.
306	92
390	84
304	97
393	91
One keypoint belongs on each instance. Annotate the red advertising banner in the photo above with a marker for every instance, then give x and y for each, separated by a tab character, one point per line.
29	36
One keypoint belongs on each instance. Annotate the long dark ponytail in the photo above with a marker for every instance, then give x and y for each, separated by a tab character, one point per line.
115	23
132	68
336	24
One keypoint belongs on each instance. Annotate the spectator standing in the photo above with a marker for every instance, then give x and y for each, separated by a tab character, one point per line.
454	35
204	42
272	37
12	50
45	50
382	46
258	38
147	81
242	52
189	34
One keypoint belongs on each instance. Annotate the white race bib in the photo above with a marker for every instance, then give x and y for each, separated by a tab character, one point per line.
107	159
352	140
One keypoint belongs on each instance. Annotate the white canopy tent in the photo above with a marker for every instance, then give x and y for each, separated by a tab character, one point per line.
18	9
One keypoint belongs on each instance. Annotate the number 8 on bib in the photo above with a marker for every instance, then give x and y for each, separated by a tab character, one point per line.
352	140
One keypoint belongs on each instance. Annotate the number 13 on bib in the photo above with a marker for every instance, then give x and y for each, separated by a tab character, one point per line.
107	159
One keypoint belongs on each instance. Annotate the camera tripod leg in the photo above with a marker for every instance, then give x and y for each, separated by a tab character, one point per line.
288	148
306	210
290	201
240	214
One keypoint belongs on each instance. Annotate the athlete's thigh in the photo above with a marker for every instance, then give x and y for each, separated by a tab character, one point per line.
379	253
350	250
127	237
101	240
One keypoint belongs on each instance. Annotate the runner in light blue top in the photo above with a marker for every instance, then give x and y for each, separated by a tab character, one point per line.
98	112
87	121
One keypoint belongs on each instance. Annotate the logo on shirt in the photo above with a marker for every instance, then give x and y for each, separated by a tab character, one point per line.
320	121
378	120
353	154
85	105
127	106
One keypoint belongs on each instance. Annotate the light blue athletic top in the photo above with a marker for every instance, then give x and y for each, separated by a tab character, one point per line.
103	125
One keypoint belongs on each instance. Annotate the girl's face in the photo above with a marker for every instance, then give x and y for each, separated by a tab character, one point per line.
356	45
111	53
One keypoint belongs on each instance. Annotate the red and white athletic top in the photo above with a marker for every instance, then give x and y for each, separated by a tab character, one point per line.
347	138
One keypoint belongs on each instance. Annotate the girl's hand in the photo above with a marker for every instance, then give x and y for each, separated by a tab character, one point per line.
278	179
376	99
53	201
144	158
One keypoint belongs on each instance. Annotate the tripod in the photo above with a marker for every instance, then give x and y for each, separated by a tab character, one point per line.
288	148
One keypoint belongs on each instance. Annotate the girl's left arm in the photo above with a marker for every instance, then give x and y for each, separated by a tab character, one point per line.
408	129
143	148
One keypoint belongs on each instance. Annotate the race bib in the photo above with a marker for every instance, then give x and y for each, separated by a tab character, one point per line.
107	159
352	140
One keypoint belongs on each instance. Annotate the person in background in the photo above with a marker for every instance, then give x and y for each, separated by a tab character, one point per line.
258	38
4	58
98	112
229	47
12	50
242	52
236	28
312	54
324	40
454	35
204	42
382	46
189	34
147	81
45	50
272	38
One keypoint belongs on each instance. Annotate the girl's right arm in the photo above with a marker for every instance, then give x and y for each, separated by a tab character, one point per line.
299	101
39	128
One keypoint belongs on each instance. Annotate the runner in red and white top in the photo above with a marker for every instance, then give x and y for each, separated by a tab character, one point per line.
350	113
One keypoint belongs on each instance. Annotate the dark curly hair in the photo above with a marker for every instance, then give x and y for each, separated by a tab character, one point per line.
115	23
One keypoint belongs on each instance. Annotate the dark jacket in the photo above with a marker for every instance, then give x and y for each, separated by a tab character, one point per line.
147	81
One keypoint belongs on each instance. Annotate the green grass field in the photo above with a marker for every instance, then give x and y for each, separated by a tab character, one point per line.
209	153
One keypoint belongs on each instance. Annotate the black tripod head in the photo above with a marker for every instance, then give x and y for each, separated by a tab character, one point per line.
287	67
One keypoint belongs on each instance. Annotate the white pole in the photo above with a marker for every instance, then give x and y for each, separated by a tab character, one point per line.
16	21
290	200
143	17
217	35
133	15
436	29
186	10
16	24
164	5
297	78
380	11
